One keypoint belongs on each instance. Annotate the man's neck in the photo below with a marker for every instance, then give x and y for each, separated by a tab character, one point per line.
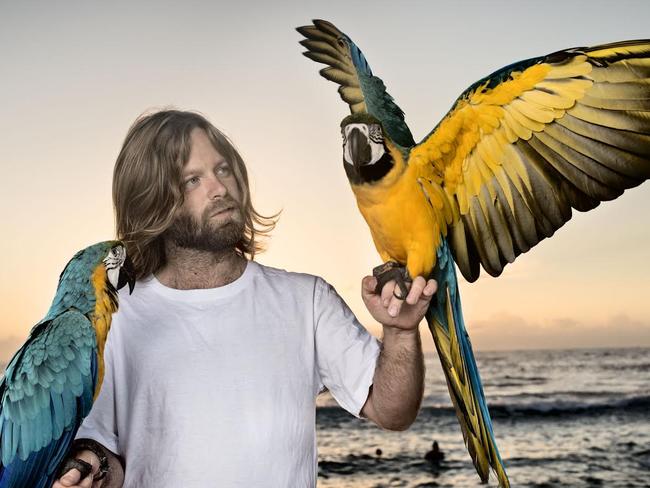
189	269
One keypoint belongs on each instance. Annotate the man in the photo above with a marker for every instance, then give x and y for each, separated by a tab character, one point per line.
214	363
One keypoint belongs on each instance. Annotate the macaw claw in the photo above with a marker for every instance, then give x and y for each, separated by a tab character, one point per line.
71	463
392	270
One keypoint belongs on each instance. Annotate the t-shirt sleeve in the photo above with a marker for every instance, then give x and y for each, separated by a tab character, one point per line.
346	353
101	424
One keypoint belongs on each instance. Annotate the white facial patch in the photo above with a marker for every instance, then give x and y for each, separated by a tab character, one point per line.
374	136
113	263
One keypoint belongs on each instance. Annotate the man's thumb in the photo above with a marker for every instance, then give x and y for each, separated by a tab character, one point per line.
72	477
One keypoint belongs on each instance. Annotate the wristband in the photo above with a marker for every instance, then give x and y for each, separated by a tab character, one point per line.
96	448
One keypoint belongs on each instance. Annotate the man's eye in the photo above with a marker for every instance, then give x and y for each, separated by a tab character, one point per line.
192	181
223	170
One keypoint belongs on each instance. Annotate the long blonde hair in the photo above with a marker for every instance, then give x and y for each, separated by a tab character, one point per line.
148	186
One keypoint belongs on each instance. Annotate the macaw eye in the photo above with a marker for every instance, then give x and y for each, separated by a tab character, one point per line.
115	258
118	252
375	134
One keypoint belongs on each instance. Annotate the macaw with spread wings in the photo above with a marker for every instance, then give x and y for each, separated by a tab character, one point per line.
500	172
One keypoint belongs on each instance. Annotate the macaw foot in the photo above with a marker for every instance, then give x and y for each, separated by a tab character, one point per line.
72	463
392	271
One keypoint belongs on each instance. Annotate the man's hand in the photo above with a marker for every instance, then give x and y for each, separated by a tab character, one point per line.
389	310
71	478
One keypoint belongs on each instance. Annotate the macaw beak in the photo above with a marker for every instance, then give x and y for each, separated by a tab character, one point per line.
359	147
127	275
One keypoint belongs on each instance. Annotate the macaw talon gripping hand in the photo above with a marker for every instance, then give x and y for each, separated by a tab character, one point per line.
392	270
72	463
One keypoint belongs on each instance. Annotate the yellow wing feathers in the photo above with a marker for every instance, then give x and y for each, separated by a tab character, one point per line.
514	158
479	130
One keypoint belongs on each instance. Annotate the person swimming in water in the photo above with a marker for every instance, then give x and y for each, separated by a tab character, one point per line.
435	455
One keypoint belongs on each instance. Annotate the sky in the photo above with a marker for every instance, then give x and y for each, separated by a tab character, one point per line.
75	75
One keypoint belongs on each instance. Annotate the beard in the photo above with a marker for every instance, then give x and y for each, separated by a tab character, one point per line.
204	235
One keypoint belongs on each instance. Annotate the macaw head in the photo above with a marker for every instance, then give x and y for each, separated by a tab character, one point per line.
119	268
105	264
367	151
92	277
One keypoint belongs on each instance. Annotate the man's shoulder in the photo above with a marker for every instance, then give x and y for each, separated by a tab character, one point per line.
279	276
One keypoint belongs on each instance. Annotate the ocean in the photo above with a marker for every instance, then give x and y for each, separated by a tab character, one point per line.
562	418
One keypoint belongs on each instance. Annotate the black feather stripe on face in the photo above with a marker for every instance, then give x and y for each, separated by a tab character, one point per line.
369	173
112	295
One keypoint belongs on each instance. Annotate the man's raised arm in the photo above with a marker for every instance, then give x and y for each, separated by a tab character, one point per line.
398	384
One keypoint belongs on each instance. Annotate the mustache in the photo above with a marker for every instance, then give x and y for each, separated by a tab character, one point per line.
221	205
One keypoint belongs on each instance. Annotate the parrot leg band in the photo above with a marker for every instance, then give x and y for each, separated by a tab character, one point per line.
392	271
71	463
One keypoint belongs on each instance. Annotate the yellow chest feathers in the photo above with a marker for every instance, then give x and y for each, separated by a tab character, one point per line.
401	221
105	305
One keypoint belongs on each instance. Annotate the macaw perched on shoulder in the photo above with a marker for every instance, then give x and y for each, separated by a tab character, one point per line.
51	382
502	170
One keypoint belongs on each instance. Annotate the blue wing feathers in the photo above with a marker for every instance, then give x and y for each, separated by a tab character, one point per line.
501	75
378	101
358	59
58	416
39	469
47	391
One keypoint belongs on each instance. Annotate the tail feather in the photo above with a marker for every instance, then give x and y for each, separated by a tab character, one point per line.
457	358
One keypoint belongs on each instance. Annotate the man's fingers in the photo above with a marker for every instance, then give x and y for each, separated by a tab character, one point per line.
70	478
430	289
387	293
368	285
416	290
74	469
87	482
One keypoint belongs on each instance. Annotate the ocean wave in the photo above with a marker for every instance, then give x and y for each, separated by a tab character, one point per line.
564	395
511	381
550	408
642	367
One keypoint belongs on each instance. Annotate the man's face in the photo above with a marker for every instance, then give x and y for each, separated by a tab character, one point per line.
211	217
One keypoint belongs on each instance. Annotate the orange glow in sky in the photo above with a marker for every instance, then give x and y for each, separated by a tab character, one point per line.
76	76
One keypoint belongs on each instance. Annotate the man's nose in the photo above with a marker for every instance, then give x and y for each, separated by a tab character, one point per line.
216	189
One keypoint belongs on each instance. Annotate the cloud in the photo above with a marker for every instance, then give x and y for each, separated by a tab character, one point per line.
507	331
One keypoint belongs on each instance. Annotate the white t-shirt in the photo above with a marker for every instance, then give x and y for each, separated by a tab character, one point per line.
217	387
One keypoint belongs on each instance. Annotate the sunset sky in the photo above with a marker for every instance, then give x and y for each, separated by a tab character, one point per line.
75	75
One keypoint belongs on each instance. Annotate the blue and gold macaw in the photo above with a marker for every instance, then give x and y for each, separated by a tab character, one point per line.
502	170
51	382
